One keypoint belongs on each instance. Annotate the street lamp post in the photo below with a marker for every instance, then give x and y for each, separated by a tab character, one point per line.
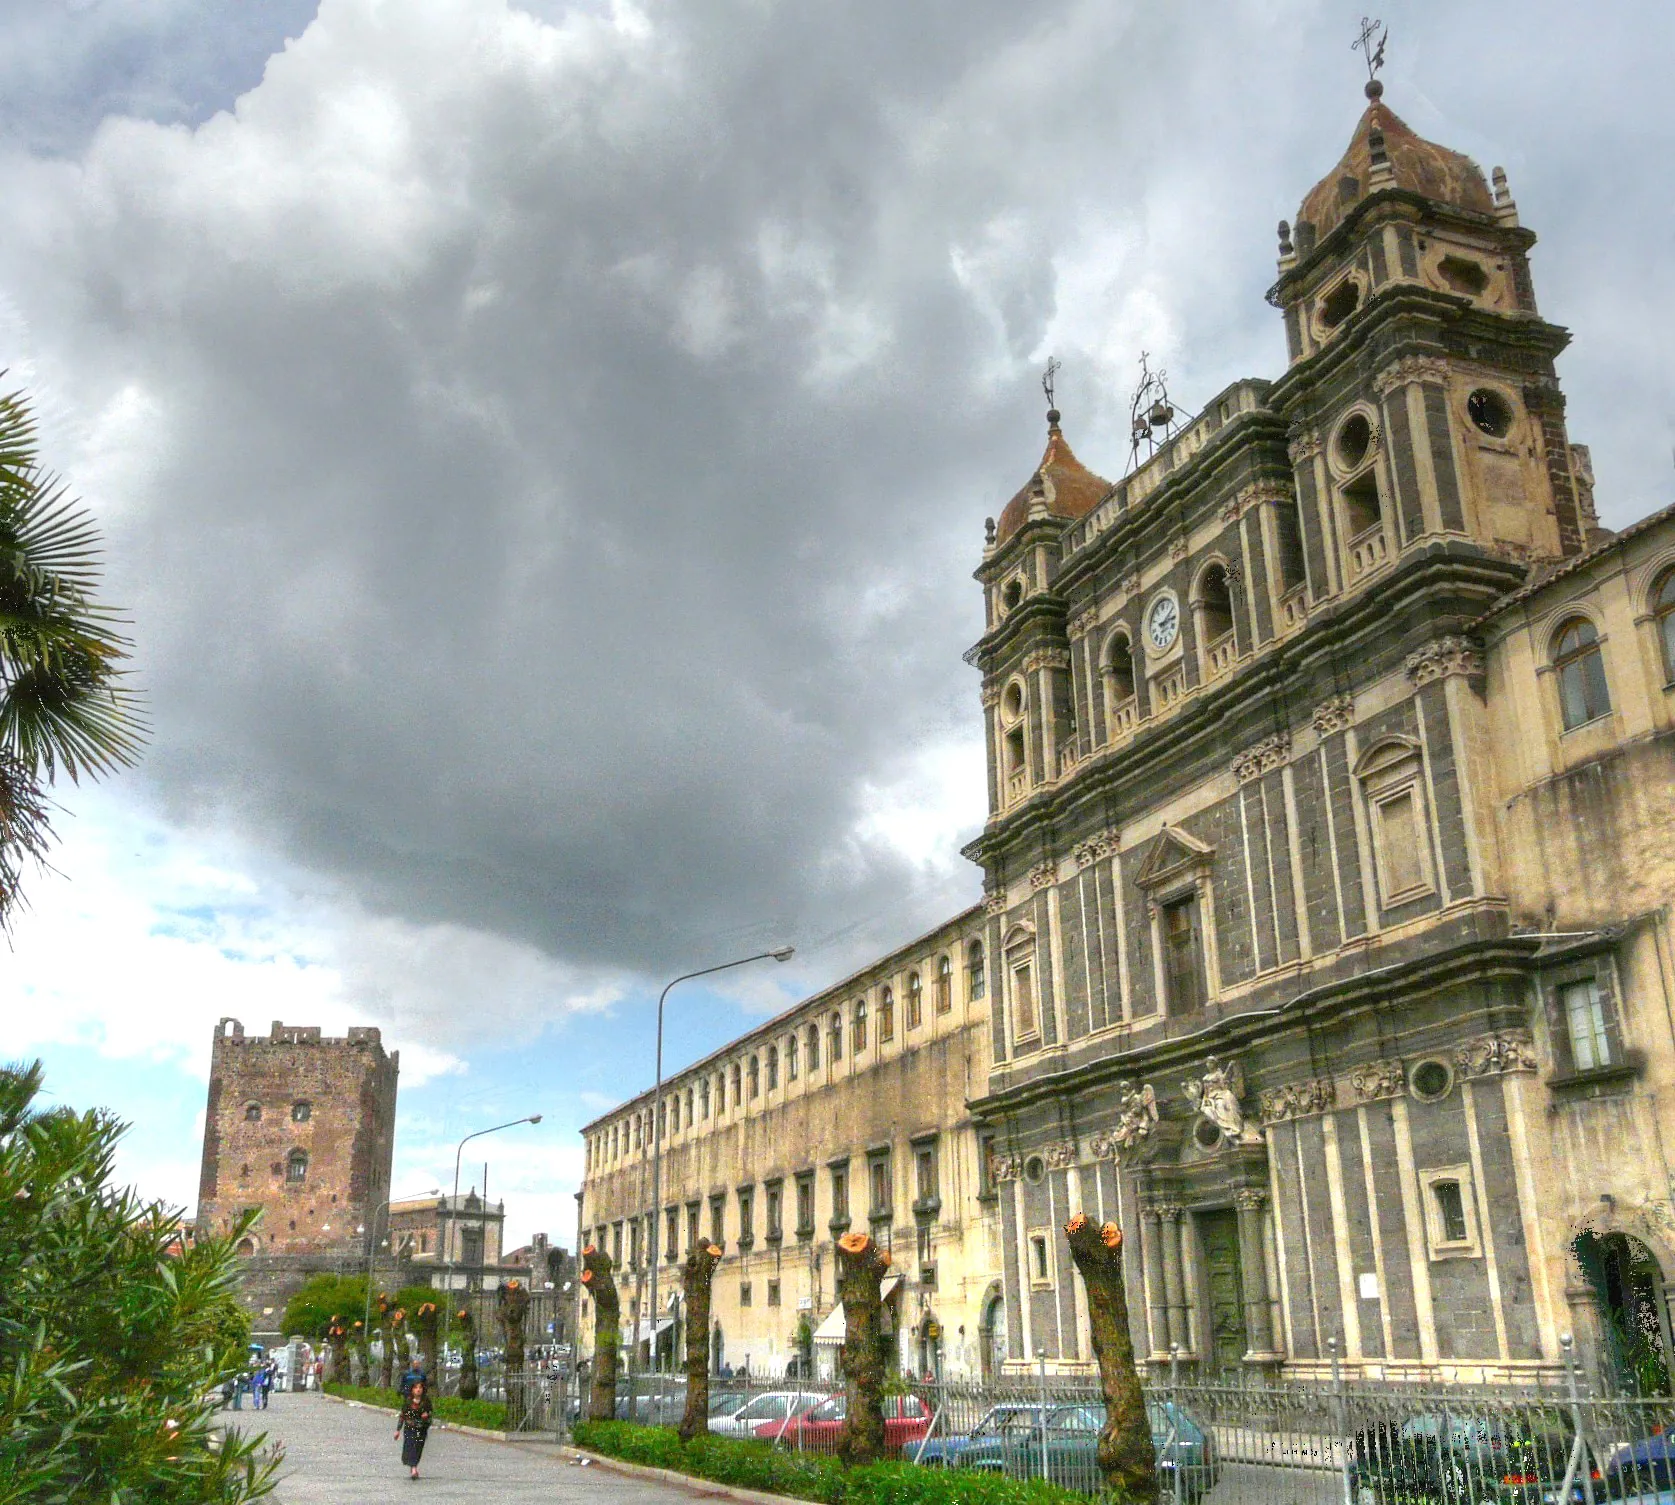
372	1247
453	1209
779	954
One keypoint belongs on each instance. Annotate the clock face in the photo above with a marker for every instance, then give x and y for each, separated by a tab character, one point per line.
1163	621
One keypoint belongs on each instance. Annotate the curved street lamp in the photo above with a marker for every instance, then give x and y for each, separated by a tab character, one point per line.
778	954
372	1245
453	1209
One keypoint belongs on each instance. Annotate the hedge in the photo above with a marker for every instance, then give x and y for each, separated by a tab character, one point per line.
488	1414
759	1465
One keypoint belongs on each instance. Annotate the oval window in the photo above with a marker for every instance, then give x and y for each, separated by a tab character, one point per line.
1035	1170
1431	1080
1355	438
1489	412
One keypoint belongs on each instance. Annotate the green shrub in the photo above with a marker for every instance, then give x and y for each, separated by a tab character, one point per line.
749	1464
488	1414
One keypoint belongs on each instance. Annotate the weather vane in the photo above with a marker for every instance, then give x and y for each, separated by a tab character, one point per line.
1371	27
1054	366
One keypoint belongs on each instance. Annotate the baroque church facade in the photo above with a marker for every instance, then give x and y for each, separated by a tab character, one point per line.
1327	876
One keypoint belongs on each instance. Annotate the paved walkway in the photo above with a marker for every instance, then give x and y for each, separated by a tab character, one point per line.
344	1455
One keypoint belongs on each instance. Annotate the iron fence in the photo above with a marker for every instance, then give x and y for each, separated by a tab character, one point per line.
1324	1442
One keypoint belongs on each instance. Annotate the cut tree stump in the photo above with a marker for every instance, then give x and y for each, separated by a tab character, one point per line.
1125	1454
386	1375
607	1332
861	1268
424	1324
513	1309
697	1275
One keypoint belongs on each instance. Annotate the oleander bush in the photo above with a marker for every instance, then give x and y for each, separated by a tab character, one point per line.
488	1414
748	1464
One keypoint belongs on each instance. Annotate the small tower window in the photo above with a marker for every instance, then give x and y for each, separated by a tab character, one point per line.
1583	696
1340	303
1216	602
1663	609
252	1113
1489	412
301	1112
1451	1212
296	1167
1362	512
1012	593
1463	275
1355	439
1120	668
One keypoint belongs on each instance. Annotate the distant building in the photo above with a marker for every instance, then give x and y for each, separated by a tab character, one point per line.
449	1241
300	1129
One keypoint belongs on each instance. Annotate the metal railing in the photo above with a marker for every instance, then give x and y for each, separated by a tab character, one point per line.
1322	1442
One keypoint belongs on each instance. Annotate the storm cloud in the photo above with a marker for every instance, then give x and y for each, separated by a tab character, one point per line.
544	451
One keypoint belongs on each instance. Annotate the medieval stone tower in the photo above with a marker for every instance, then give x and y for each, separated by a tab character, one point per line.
301	1129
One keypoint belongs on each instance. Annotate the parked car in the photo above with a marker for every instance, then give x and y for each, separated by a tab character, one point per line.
773	1406
1456	1459
726	1403
1072	1441
906	1420
1643	1473
943	1452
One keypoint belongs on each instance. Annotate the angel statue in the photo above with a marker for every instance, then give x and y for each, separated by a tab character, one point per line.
1216	1096
1136	1115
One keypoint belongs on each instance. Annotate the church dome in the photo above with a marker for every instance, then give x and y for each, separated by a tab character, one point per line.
1418	165
1068	487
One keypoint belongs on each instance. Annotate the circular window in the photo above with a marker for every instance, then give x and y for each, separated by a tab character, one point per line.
1014	702
1489	412
1355	438
1340	303
1206	1134
1430	1080
1035	1170
1013	593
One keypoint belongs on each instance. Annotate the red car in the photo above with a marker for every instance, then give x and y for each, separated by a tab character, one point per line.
907	1420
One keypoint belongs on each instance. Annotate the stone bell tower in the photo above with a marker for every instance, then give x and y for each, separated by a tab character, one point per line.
1421	392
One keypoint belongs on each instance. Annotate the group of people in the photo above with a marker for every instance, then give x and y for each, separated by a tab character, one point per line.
258	1381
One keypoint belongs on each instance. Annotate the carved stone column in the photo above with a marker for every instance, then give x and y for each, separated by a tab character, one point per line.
1151	1254
1174	1278
1253	1269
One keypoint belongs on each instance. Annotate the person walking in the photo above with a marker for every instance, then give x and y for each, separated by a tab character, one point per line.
413	1426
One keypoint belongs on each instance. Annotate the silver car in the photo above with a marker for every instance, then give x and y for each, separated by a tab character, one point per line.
775	1405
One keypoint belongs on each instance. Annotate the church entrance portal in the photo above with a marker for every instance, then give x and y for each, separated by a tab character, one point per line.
1634	1315
1218	1238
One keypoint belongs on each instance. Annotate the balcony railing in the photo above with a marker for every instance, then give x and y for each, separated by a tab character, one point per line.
1125	716
1016	783
1069	757
1368	550
1218	656
1294	607
1169	688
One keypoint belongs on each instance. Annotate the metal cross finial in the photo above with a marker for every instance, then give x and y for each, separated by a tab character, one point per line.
1371	26
1054	366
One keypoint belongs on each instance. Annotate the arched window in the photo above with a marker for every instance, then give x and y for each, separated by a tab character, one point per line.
674	1114
252	1113
755	1076
858	1029
814	1047
975	985
886	1016
301	1112
689	1119
791	1057
1583	696
738	1093
1663	608
1014	757
915	1001
1216	602
296	1167
704	1098
834	1036
1119	668
944	984
773	1067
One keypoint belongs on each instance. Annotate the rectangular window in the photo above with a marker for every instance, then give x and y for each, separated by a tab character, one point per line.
1450	1216
974	984
878	1173
747	1231
744	1293
775	1197
691	1226
1451	1211
773	1293
1183	957
805	1205
1025	1024
1040	1260
633	1243
671	1240
1399	835
986	1166
718	1221
924	1166
616	1243
840	1195
1583	1008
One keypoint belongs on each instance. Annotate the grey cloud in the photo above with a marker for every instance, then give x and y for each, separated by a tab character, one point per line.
563	494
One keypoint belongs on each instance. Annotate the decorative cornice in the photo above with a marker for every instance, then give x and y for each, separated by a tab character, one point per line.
1298	1100
1490	1055
1250	1198
1334	715
1441	658
1167	1212
1044	876
995	904
1179	546
1377	1079
1006	1167
1270	753
1129	584
1410	368
1061	1154
1234	509
1087	854
990	694
1262	492
1046	658
1083	622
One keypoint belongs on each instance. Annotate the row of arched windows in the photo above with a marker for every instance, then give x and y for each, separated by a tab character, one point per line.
1578	664
800	1052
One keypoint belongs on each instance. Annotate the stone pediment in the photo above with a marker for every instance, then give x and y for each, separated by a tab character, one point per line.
1172	854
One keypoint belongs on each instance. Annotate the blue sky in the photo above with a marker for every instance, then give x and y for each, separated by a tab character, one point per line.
542	451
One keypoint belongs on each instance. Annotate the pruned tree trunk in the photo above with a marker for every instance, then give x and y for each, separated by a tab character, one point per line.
425	1324
385	1377
861	1266
334	1354
395	1347
513	1309
363	1353
697	1275
607	1332
1125	1454
467	1353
